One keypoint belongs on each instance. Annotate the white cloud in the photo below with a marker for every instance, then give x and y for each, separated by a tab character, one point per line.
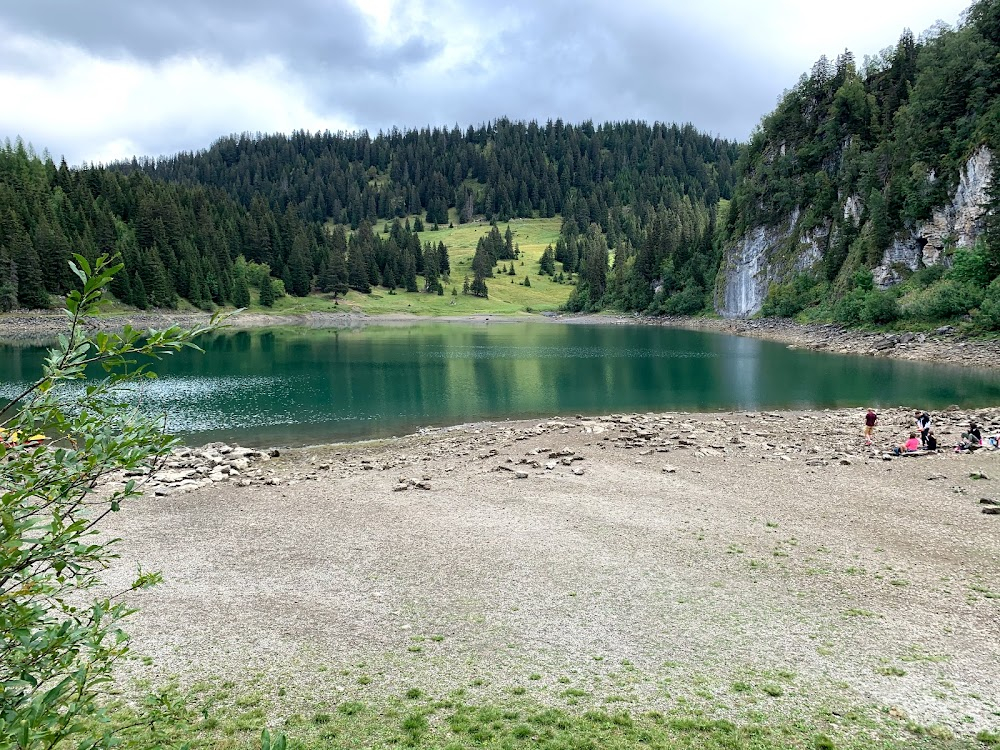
98	109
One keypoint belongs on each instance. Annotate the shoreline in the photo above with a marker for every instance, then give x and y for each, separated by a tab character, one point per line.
942	345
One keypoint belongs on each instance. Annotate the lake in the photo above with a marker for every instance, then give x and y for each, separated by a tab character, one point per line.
296	386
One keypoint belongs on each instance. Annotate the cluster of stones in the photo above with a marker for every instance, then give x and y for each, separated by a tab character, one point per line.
533	460
941	345
191	468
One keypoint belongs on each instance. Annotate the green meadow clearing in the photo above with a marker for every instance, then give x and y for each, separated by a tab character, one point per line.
507	294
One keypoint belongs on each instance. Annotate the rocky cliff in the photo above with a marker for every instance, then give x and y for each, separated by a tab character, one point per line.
955	225
765	255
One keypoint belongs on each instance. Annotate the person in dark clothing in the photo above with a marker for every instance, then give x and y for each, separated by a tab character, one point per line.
972	439
923	425
932	443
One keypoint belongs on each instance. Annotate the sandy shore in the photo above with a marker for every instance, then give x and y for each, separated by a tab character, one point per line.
738	564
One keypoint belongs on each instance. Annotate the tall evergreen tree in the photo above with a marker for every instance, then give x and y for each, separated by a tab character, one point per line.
8	282
357	277
241	283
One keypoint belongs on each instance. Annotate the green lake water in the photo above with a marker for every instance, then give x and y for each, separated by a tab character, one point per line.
294	386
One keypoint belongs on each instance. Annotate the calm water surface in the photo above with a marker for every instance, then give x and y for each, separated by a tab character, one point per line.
300	386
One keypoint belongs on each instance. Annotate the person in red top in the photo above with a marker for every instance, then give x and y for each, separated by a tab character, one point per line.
871	419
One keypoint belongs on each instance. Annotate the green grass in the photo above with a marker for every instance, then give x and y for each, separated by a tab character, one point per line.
518	723
532	235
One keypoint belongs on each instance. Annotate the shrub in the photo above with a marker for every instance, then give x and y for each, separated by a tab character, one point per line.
789	299
58	640
989	310
880	308
947	299
849	309
687	302
971	266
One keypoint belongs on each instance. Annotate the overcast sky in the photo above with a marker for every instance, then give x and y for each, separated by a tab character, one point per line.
106	79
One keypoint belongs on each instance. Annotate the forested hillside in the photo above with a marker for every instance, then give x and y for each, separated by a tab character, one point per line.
176	241
857	169
645	195
500	170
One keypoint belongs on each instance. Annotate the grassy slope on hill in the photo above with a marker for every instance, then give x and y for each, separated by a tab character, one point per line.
532	235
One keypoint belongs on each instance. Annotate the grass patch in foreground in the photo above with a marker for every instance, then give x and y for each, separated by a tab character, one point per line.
204	719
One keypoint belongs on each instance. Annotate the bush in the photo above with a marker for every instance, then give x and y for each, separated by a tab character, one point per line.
946	299
925	277
971	266
687	302
849	310
59	639
789	299
880	308
989	309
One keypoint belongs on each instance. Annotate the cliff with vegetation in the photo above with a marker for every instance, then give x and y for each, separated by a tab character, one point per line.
870	194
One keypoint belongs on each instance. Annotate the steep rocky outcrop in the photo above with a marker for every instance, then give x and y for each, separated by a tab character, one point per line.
765	255
955	225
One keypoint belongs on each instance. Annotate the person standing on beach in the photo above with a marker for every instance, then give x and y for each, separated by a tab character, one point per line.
923	425
871	419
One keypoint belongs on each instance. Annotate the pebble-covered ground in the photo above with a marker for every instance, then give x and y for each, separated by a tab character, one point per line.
740	564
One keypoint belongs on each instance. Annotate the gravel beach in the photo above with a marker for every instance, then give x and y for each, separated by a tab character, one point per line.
732	563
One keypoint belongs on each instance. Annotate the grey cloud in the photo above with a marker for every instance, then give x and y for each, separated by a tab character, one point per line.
574	60
323	33
579	61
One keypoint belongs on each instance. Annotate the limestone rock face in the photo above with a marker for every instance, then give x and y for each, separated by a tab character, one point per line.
955	225
766	255
753	264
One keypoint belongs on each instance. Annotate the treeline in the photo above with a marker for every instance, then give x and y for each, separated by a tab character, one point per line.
603	174
893	136
182	242
182	224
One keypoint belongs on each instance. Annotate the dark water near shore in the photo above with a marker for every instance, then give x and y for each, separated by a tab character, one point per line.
298	386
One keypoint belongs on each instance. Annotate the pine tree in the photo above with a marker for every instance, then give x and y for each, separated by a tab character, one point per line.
267	293
547	264
30	286
334	278
300	270
410	273
478	287
8	282
357	278
241	284
444	264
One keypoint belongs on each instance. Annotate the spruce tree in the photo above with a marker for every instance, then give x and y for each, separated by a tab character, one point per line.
357	278
8	282
444	264
410	273
241	284
30	286
478	287
267	293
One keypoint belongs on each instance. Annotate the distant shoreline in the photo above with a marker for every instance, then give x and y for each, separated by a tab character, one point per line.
942	345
